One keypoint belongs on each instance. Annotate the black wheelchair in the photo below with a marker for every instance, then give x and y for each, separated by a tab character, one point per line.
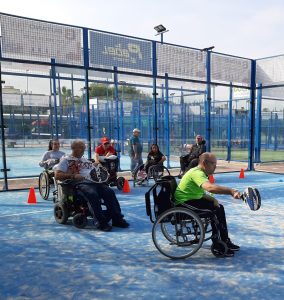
112	167
69	203
154	172
179	231
46	180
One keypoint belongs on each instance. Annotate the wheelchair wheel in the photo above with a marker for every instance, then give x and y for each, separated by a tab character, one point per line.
178	233
79	220
120	183
219	248
43	185
139	176
61	213
157	171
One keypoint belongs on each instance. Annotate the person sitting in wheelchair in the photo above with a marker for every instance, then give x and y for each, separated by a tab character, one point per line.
104	151
193	190
154	157
51	157
75	167
106	155
190	160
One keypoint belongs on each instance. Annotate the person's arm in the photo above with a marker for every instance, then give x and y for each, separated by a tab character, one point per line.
97	158
45	157
218	189
111	151
162	159
134	147
60	175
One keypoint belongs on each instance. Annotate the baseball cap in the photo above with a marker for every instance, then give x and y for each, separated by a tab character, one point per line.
105	140
136	130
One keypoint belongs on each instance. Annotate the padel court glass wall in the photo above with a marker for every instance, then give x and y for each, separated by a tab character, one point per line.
68	82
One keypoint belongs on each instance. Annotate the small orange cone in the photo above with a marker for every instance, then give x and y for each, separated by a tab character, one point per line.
32	196
126	187
242	173
211	179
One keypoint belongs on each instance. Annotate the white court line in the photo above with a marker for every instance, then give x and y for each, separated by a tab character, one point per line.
26	213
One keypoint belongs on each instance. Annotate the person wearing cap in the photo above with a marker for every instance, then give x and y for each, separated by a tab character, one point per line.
192	158
104	150
135	150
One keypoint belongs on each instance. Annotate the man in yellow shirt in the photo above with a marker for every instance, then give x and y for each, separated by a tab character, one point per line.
192	191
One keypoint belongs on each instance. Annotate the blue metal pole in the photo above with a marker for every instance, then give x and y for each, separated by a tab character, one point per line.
87	91
117	114
167	121
229	128
53	75
258	125
252	117
208	102
275	132
154	67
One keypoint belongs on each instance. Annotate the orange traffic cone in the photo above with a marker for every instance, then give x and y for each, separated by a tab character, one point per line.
126	187
242	173
32	196
211	179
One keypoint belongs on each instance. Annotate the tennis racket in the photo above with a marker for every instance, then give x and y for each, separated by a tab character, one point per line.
252	198
98	174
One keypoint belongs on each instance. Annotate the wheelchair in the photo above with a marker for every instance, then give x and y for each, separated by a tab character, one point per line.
179	231
46	181
68	202
112	167
154	172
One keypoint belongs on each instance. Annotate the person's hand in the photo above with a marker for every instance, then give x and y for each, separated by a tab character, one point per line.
236	194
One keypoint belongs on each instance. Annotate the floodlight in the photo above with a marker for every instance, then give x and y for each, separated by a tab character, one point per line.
160	28
208	48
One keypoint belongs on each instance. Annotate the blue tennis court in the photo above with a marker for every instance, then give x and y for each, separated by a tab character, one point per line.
41	259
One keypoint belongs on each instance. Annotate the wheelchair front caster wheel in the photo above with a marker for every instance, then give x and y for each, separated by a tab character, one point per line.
79	221
219	249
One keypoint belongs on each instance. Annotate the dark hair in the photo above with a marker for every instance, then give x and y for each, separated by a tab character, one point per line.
151	148
50	143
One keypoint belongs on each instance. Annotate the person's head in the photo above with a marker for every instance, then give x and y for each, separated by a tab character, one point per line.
78	147
54	145
136	132
155	148
199	139
105	142
207	162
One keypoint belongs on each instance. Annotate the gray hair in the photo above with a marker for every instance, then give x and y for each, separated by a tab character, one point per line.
76	142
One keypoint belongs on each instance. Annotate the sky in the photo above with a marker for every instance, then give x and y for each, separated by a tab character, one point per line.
246	28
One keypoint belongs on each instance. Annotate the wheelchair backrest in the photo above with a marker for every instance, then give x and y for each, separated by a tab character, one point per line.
162	194
65	191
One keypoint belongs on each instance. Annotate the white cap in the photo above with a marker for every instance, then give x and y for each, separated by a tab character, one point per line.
136	130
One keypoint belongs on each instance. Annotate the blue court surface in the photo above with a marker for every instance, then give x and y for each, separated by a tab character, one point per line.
41	259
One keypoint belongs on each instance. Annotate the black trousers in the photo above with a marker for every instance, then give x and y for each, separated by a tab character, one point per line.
93	193
218	211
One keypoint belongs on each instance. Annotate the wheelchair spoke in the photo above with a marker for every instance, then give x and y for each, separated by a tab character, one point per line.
178	233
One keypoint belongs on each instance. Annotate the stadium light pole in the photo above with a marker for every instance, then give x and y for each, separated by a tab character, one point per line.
161	29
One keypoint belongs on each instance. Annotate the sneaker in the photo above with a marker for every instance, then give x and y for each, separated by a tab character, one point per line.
232	246
120	223
104	227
